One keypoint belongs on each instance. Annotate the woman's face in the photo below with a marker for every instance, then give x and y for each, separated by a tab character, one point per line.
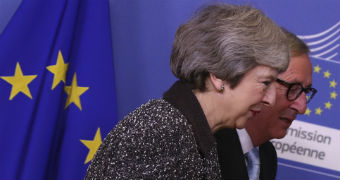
255	89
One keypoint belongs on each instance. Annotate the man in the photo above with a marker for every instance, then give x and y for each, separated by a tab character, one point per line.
292	89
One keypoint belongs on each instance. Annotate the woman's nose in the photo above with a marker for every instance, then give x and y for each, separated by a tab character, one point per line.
269	96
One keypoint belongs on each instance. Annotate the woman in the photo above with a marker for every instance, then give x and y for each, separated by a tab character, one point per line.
226	58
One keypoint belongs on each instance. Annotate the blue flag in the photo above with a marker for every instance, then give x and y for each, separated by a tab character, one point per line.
57	94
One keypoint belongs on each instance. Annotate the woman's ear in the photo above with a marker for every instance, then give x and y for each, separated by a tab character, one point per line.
217	83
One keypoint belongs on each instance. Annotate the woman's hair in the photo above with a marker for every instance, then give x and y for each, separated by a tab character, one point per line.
296	46
227	41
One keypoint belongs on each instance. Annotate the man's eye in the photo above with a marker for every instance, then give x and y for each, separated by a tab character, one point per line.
267	83
295	88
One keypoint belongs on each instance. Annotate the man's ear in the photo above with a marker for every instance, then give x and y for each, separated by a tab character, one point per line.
217	83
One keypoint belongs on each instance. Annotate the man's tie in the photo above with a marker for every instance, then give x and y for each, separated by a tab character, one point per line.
253	164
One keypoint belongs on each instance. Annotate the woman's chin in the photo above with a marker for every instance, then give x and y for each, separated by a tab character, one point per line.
241	123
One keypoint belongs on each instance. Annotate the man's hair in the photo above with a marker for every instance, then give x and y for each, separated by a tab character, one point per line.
296	46
227	41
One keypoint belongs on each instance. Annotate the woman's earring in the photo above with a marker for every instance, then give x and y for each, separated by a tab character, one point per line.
222	88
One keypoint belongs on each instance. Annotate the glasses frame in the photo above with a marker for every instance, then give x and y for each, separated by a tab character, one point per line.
305	90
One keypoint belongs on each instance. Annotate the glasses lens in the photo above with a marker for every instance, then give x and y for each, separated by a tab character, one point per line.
309	94
294	92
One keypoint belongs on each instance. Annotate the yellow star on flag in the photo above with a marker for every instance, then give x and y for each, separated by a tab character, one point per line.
334	95
59	70
317	69
74	92
318	111
307	112
19	82
332	83
92	145
328	105
326	74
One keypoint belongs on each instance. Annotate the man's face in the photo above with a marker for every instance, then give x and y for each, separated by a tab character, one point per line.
276	120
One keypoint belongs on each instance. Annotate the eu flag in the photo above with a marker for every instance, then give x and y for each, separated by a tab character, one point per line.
57	94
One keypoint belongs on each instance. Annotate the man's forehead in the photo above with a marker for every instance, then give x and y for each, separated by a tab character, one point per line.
299	70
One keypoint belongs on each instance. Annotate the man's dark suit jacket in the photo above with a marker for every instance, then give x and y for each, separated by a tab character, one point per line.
231	158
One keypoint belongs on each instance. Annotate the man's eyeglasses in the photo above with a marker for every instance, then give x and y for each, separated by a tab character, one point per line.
296	89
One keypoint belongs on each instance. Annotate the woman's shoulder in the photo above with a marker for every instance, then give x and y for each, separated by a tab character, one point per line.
153	118
154	121
156	134
155	112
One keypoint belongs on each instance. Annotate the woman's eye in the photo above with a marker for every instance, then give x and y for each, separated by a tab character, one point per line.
267	83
